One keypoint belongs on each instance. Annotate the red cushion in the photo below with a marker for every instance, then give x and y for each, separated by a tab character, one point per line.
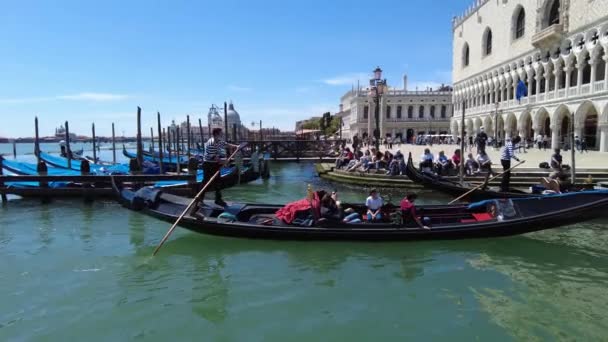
482	216
468	221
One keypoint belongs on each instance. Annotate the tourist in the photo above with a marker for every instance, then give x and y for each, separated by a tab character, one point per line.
545	142
389	142
471	166
408	211
443	163
505	160
456	158
426	160
330	208
577	143
215	151
484	162
584	146
539	141
374	205
482	139
556	161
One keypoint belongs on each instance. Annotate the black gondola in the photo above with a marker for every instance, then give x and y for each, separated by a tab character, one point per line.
455	188
515	216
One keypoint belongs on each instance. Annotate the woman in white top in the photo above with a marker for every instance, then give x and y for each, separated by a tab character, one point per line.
374	203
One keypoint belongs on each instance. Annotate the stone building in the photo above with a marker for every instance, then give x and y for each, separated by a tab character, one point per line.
557	48
403	113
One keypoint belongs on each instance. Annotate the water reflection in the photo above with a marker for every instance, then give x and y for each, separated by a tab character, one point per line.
556	291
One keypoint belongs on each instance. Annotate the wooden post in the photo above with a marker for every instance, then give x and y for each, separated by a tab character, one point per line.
200	127
3	196
67	144
140	148
261	130
160	144
94	144
226	122
151	148
572	151
37	141
462	160
188	137
113	145
15	149
169	142
177	151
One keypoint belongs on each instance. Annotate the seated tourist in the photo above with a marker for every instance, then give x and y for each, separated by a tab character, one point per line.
443	163
456	158
374	205
426	161
484	161
330	209
471	166
408	211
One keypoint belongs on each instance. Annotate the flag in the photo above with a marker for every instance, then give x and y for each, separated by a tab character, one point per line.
521	90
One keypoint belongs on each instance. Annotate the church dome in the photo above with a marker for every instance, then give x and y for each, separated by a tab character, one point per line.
232	115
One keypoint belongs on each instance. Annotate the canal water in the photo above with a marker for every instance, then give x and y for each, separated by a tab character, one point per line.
75	271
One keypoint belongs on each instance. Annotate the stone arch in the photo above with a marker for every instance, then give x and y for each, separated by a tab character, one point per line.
469	127
510	125
547	13
488	125
455	129
486	42
477	124
586	124
542	122
525	125
560	126
466	55
499	129
518	22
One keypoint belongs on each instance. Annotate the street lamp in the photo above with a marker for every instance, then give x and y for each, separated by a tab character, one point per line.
496	126
376	86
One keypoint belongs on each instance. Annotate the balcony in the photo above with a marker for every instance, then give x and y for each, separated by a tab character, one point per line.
598	86
585	89
548	37
572	91
561	93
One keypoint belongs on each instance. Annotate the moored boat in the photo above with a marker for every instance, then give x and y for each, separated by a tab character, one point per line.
491	218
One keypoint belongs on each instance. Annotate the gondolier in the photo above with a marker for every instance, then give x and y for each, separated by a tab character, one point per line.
215	151
505	159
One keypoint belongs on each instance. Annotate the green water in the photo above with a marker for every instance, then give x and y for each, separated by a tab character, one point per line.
71	271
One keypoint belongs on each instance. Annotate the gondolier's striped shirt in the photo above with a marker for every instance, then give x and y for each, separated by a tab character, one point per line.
507	152
214	148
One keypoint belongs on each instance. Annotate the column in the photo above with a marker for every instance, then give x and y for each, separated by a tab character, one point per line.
579	75
515	81
508	91
593	63
382	114
497	95
530	80
538	77
555	136
556	72
605	70
603	136
370	115
546	73
567	71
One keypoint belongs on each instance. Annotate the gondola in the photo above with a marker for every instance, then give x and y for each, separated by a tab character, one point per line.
61	162
516	216
228	174
455	188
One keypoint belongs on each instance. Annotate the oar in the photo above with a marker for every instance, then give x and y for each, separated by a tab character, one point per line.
195	200
487	181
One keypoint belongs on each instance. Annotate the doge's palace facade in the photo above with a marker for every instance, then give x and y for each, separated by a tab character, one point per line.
558	48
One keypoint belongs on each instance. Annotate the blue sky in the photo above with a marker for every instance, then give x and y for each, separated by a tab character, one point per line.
278	61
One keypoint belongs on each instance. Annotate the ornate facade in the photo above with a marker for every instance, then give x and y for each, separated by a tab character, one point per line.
403	113
558	48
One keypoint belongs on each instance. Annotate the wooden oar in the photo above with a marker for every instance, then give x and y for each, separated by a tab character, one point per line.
479	186
195	200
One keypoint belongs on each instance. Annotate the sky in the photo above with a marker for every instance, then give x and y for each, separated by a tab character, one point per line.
277	61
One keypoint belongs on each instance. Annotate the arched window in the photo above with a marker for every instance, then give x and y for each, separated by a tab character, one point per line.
465	55
433	111
554	13
421	112
410	112
388	112
443	111
365	112
520	23
398	112
487	42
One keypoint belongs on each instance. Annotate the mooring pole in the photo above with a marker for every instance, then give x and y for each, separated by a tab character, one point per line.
68	151
113	145
3	196
94	144
37	141
261	130
188	137
200	127
462	160
160	143
140	147
15	149
177	136
226	121
572	151
169	142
